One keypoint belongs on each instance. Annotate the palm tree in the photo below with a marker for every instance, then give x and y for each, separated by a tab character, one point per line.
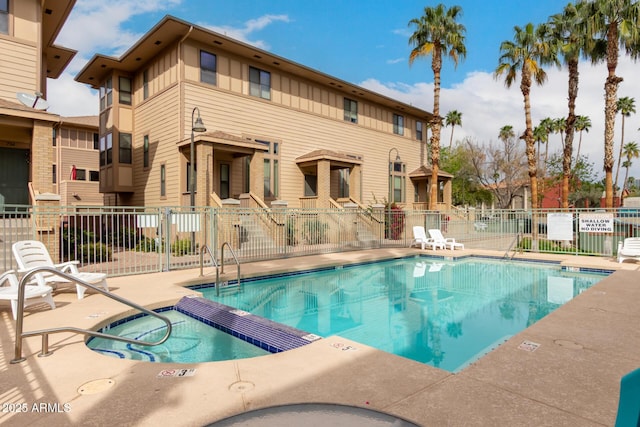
546	125
453	118
558	126
583	123
625	106
506	133
437	32
567	30
541	136
526	54
631	151
616	23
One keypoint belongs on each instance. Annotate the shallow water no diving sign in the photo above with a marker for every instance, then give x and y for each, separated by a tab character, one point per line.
171	373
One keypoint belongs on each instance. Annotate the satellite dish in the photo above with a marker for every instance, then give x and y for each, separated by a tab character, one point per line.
32	101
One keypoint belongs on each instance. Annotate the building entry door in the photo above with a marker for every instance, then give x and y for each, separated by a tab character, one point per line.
14	176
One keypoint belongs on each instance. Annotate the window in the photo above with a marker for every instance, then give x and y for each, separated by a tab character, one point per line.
124	148
94	176
224	181
396	181
109	151
106	95
4	16
54	136
350	110
259	83
398	124
96	141
124	92
343	185
81	174
195	173
145	84
310	185
271	169
55	174
163	181
207	67
103	151
145	152
419	131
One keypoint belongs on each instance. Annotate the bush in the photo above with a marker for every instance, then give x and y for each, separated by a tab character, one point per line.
183	247
123	237
94	252
396	230
149	244
291	232
314	231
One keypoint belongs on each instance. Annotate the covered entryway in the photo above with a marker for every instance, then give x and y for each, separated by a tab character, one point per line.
421	178
14	176
330	177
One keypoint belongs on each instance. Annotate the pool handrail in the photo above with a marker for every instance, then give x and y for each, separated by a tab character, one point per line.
20	334
233	254
213	260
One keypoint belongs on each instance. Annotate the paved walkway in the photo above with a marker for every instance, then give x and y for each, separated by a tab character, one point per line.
571	379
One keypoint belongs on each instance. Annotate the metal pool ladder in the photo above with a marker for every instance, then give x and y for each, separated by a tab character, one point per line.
516	242
20	334
219	268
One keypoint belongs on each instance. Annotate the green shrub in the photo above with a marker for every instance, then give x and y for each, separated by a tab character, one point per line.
94	252
314	232
149	244
183	247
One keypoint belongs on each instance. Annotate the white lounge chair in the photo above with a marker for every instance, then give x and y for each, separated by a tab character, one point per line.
629	249
450	242
32	253
32	294
420	238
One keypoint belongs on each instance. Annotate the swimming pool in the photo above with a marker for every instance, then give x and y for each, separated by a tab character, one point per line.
441	312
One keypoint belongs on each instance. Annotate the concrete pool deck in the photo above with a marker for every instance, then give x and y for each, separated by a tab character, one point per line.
571	379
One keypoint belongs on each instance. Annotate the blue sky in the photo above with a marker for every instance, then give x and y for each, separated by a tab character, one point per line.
365	43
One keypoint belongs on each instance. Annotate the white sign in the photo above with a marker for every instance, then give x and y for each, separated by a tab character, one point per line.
596	223
560	226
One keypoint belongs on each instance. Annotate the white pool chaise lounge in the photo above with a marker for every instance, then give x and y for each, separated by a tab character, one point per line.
629	249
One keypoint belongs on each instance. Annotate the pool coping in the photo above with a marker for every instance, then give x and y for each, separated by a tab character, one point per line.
572	378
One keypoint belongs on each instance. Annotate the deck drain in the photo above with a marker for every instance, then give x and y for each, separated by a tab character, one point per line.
96	386
569	344
241	386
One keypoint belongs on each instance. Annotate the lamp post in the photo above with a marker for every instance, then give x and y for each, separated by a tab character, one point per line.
391	187
196	126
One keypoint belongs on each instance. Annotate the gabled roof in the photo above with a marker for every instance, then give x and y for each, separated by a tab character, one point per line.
329	155
425	172
171	30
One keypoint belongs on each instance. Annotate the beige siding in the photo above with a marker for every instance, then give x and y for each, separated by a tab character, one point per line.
159	120
26	18
17	68
162	74
302	132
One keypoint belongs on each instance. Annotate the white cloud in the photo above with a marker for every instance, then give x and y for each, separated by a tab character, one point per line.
243	33
486	106
396	60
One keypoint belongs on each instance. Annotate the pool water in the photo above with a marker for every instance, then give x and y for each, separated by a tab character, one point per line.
443	313
190	341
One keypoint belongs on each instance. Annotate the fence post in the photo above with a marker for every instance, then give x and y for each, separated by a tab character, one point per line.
167	239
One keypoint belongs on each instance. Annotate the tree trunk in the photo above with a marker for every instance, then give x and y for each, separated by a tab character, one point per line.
615	182
525	87
436	66
567	151
611	95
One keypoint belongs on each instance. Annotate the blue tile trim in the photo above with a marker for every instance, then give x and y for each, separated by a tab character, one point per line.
264	333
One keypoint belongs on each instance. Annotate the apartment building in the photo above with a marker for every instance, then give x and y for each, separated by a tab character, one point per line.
249	126
38	148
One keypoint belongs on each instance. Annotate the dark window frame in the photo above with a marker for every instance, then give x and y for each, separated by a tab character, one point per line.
208	68
398	124
259	83
125	149
125	96
350	110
